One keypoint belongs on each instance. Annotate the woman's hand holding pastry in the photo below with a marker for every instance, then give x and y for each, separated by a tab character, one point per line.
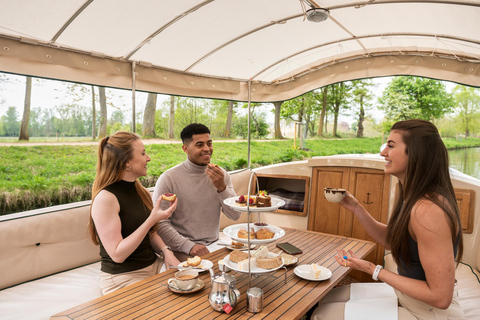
159	214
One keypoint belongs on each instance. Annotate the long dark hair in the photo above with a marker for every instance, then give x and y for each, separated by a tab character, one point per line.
113	154
427	177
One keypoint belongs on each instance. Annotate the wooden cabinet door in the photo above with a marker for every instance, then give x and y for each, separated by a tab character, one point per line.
324	215
371	187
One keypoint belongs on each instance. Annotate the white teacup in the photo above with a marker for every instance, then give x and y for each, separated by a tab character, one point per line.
335	194
184	279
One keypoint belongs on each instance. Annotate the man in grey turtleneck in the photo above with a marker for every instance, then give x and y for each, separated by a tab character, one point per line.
200	191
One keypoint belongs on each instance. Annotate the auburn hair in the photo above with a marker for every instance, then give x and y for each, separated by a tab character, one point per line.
113	154
427	177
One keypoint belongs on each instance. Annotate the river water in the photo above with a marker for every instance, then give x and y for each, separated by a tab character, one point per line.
466	160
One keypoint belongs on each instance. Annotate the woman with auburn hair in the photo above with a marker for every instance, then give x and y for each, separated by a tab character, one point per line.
123	219
424	232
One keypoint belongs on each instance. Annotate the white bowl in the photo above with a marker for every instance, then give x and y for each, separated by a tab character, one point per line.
335	194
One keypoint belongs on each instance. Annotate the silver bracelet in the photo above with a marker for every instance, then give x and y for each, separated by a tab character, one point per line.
165	248
376	272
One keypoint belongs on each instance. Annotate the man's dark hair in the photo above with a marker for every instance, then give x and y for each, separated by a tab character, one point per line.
191	129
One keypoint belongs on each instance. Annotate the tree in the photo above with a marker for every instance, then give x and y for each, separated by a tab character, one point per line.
361	96
26	110
338	98
278	109
467	101
301	109
171	122
409	97
102	130
149	115
10	122
323	99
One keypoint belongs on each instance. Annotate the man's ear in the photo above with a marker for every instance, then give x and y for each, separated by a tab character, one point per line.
185	148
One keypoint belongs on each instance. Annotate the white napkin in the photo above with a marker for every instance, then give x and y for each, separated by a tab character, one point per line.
371	301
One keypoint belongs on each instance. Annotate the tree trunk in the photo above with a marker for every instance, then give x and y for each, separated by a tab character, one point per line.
149	115
171	122
361	118
102	130
94	115
278	130
326	123
335	119
228	126
26	111
324	111
467	130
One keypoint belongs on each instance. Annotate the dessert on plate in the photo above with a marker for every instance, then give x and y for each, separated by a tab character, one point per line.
263	199
243	234
264	233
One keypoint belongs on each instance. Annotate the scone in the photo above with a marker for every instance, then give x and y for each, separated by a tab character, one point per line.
169	197
243	234
195	261
212	165
265	233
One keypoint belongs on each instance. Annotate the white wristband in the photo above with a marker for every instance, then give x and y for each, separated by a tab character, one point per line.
376	272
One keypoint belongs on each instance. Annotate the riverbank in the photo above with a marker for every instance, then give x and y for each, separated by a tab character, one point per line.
37	176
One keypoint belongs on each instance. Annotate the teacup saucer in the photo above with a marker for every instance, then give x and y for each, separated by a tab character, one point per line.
199	286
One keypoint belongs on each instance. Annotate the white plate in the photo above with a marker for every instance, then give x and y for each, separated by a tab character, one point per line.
199	286
291	260
304	271
234	265
276	203
232	232
205	265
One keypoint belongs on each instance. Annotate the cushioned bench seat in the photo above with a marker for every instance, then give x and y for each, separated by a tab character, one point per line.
42	298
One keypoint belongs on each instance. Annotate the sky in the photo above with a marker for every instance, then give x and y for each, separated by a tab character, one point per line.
50	93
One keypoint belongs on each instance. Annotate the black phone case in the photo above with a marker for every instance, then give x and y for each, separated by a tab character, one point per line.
289	248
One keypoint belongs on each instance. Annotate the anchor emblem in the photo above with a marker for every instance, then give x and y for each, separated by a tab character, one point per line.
368	199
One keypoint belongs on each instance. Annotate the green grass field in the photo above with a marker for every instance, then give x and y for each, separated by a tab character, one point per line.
39	176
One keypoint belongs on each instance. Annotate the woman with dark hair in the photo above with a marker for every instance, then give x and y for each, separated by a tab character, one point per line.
424	232
123	219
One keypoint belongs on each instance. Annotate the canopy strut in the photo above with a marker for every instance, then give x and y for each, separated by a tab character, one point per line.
248	119
133	95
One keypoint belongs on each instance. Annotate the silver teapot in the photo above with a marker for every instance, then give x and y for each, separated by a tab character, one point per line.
223	290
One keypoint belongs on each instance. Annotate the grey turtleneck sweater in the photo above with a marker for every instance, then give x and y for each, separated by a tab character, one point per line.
197	217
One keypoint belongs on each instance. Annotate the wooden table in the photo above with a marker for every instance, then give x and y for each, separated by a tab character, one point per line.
148	299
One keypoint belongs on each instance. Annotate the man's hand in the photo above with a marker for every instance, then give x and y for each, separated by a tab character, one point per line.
199	250
215	173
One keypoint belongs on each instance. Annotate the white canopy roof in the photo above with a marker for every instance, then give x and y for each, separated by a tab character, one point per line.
215	48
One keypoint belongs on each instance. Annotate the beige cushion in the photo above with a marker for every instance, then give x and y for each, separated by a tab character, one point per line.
38	245
468	286
42	298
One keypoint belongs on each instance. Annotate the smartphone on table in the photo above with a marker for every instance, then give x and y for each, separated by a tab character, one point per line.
289	248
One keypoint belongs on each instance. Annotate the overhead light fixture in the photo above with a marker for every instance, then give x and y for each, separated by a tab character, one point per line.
317	14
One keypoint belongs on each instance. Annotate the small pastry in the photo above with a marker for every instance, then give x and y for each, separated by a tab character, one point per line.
169	197
195	261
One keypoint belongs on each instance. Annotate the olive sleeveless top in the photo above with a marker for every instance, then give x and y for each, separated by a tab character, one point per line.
133	213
